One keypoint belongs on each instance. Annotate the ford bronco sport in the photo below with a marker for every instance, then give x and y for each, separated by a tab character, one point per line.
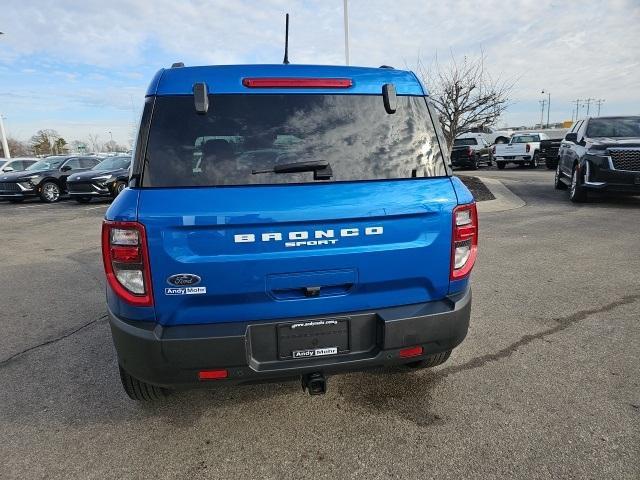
286	221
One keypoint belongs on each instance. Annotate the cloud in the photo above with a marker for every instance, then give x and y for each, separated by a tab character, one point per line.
573	50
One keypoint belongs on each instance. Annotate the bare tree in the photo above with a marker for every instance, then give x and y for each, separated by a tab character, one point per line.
465	94
45	142
94	141
18	148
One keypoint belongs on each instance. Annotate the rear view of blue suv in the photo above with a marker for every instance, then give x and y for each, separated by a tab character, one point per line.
286	221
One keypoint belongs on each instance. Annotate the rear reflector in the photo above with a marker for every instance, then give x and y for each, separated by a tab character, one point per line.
213	374
297	82
411	352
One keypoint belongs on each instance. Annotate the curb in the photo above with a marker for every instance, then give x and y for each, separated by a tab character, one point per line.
505	198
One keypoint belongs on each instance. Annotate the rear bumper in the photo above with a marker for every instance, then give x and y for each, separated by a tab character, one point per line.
173	356
513	158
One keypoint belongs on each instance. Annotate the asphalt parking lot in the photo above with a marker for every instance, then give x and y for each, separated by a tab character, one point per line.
546	385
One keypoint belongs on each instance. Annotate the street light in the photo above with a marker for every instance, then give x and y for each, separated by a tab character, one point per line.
3	137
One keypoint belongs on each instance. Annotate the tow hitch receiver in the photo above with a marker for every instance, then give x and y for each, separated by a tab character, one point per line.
315	383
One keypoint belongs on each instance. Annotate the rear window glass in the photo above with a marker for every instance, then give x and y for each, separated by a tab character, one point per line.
459	142
526	139
242	134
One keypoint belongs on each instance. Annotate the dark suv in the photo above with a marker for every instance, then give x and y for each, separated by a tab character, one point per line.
46	179
600	154
107	179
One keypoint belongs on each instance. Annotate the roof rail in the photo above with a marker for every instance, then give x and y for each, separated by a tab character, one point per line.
177	65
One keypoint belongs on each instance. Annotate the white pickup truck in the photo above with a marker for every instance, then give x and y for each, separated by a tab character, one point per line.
523	149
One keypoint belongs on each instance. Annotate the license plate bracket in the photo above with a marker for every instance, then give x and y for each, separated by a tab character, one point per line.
313	338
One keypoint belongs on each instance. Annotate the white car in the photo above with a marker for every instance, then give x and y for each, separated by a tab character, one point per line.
490	134
522	149
15	164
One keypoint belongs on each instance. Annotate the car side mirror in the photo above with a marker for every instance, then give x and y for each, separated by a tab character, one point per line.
66	168
7	169
571	137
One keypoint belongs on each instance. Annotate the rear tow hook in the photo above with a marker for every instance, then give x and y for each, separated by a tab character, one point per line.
315	383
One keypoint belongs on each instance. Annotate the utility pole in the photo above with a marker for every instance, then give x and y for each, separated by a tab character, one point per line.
588	102
577	100
599	102
346	32
542	103
548	105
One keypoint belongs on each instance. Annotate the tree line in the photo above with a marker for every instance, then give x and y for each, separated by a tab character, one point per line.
50	142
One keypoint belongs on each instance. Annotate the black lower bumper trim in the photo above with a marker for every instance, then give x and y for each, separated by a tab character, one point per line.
173	356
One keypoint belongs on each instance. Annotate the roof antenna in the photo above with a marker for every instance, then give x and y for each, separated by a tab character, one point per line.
286	42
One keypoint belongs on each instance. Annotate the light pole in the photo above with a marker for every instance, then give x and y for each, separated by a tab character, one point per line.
3	136
346	32
548	104
111	144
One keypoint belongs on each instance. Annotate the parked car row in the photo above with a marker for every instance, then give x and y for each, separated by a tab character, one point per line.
600	154
51	178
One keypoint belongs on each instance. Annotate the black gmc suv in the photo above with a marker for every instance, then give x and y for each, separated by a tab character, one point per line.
46	179
600	154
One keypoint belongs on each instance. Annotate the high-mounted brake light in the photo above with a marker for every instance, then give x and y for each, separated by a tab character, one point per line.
126	262
464	242
297	82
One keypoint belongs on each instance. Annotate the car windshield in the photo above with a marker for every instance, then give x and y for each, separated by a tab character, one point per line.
614	127
458	142
113	163
243	137
525	139
49	163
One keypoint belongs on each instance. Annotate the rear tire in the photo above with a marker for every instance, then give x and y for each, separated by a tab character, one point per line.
500	165
474	165
432	360
536	160
139	390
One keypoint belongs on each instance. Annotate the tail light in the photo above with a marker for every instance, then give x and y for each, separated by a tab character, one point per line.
126	261
528	148
464	244
493	150
470	152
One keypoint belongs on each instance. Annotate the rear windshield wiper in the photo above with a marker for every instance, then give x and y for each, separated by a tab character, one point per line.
321	170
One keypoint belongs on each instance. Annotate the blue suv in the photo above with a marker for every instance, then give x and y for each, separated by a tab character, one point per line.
286	221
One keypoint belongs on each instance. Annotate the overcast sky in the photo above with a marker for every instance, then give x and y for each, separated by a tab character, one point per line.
82	67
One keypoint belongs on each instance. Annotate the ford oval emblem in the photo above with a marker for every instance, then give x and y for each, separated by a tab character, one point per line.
183	279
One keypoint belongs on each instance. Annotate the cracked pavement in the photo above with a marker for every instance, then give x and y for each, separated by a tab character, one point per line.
546	385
